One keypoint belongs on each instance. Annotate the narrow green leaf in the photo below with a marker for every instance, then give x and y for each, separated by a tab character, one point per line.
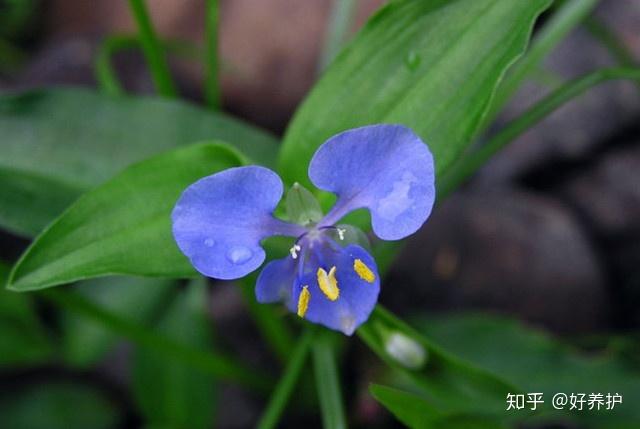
452	385
123	226
58	143
23	340
173	394
328	382
137	299
410	409
57	405
417	413
432	65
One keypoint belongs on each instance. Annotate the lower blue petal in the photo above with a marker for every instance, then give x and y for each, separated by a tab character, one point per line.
357	298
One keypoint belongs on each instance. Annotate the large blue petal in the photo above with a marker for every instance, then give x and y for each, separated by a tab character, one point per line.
219	221
385	168
357	299
276	281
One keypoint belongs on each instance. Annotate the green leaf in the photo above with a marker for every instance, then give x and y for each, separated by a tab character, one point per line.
540	363
432	65
417	413
123	226
59	143
452	385
57	405
172	394
23	340
138	299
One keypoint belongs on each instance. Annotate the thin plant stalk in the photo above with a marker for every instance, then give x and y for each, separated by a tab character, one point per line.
328	382
152	50
212	84
105	72
469	164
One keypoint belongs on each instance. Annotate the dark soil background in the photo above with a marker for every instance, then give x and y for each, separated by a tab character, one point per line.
548	231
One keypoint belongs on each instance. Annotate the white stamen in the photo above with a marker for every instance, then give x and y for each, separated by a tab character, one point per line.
341	233
294	251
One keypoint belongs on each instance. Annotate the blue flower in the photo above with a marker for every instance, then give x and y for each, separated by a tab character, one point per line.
220	221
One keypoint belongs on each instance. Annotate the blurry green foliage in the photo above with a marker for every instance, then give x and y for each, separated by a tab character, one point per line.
84	341
59	143
23	340
172	394
57	405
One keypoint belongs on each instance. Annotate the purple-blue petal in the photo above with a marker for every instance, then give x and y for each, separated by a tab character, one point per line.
219	221
385	168
276	281
357	297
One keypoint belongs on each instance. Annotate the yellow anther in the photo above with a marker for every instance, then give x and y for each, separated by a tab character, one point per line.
363	271
303	301
328	283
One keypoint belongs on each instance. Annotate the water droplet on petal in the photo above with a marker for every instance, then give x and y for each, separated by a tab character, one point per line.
209	242
412	60
239	254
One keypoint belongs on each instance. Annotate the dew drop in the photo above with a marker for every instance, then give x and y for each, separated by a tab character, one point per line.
412	60
209	242
239	255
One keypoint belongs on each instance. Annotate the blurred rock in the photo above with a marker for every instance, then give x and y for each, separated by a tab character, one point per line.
66	61
503	250
623	18
606	196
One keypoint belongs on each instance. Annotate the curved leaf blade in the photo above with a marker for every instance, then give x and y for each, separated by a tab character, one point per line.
123	226
432	65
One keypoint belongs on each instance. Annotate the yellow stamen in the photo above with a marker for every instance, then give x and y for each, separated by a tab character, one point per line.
303	301
363	271
328	283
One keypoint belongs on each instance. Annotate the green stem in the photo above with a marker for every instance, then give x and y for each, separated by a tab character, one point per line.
272	328
328	383
212	86
610	41
288	381
223	368
568	16
152	51
337	28
105	73
469	164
